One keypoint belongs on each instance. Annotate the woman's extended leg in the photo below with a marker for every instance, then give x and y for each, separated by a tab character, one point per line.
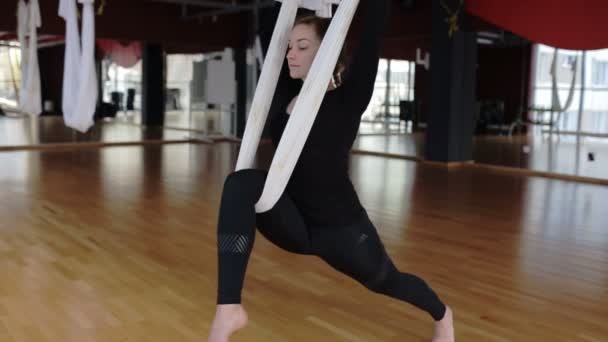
282	225
358	252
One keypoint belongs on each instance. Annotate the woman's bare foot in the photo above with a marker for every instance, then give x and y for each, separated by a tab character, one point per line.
444	329
228	319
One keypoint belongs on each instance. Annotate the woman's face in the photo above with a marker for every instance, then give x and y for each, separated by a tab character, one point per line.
303	46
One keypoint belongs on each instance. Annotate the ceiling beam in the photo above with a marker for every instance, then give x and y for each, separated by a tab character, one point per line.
200	3
231	9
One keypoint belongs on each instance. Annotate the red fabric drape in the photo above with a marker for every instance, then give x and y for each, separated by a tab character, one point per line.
575	25
124	55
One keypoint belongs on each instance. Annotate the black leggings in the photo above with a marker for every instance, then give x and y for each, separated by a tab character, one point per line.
354	250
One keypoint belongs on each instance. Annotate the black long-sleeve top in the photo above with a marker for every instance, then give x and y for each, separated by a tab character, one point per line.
320	185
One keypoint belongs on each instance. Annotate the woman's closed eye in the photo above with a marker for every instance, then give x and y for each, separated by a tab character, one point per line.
300	48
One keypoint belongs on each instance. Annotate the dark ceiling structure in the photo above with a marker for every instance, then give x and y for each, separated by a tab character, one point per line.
190	26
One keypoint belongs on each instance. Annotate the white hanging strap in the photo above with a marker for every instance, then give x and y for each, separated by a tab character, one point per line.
307	106
30	96
267	84
87	75
556	104
68	11
79	77
259	54
308	103
321	7
271	69
22	27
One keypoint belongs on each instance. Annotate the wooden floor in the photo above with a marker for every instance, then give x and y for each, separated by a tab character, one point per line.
25	132
118	244
560	156
552	154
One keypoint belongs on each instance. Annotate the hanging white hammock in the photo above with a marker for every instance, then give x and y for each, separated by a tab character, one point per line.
556	104
309	101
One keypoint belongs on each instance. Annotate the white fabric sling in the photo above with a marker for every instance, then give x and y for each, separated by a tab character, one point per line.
30	95
556	104
308	103
67	10
22	21
79	75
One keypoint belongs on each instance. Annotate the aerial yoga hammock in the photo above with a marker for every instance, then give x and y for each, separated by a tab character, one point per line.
308	103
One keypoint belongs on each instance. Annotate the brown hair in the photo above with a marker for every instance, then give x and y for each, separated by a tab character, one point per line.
321	25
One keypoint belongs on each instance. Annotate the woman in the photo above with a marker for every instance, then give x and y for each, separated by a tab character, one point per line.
319	212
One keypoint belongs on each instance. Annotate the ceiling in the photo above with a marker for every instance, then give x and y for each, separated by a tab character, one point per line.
210	25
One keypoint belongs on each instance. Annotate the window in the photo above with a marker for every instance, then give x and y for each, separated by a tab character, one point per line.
599	73
10	73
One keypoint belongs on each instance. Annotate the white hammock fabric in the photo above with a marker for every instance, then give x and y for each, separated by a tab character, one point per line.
308	103
79	75
30	95
556	104
321	7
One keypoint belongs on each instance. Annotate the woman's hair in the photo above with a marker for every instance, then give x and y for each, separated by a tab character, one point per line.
320	26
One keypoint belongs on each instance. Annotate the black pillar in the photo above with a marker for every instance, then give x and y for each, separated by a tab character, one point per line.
241	69
240	62
453	69
153	85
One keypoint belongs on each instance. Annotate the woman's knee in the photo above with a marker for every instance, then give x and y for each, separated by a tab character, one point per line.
247	183
380	279
375	268
364	261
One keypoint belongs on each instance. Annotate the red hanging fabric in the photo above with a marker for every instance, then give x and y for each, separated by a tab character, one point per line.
574	25
124	55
